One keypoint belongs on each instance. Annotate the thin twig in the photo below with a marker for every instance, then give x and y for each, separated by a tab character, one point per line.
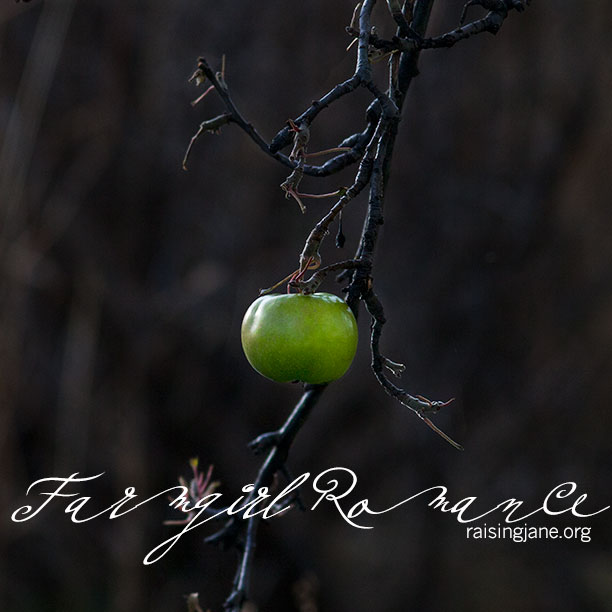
204	71
211	125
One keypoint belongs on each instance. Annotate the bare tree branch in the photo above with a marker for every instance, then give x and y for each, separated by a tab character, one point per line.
241	533
492	22
373	148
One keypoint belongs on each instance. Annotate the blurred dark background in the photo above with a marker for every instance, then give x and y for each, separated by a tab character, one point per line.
123	280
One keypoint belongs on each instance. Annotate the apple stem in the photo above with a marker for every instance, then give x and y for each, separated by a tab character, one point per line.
277	285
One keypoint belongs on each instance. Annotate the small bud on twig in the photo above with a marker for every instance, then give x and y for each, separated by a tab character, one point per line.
193	603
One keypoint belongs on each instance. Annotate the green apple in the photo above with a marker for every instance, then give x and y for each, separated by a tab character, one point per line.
295	337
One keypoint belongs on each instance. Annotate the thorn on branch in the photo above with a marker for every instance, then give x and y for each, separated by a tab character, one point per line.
327	152
200	98
420	405
354	16
340	237
433	406
211	125
218	82
221	74
319	196
444	436
352	43
397	369
266	441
